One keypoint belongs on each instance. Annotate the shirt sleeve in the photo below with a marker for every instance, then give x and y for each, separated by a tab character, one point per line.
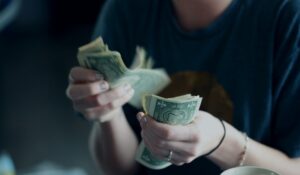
286	80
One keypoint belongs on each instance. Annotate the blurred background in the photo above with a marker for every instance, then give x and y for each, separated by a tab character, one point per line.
37	49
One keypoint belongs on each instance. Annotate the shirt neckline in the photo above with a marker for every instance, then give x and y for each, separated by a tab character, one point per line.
220	23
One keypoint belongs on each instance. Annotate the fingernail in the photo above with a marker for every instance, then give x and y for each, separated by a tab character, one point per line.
99	76
103	86
142	119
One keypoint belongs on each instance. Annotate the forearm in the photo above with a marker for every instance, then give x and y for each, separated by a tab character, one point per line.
113	145
264	156
229	154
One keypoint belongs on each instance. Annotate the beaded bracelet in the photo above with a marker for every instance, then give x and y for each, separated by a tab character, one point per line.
243	154
221	141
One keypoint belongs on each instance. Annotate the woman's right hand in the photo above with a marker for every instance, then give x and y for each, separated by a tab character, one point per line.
92	96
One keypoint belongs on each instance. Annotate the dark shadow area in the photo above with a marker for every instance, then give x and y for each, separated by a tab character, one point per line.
37	50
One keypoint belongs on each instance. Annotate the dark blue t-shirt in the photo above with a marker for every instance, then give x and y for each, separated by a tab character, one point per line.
246	64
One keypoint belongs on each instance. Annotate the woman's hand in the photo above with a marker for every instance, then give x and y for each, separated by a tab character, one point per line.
186	142
92	96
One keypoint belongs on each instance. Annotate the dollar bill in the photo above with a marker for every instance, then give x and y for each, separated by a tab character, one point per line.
179	110
144	80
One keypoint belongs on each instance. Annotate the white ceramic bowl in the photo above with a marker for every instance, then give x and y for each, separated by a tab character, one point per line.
248	170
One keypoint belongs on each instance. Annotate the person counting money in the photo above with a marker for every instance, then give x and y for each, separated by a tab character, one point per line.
241	56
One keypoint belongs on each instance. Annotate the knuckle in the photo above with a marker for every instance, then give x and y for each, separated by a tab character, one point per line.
166	133
91	89
160	143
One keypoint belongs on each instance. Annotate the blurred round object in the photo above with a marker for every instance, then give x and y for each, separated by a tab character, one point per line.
8	10
248	170
6	164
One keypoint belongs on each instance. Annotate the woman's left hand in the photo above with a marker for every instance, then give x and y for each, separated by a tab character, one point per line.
186	142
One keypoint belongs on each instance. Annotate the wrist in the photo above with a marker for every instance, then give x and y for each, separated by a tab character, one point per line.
114	117
220	141
228	154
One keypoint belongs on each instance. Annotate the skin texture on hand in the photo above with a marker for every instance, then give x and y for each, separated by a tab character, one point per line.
92	96
112	141
186	142
199	137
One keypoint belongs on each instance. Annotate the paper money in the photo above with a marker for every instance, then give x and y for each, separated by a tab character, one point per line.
179	110
144	80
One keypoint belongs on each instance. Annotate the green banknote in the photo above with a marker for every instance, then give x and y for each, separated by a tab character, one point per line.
179	110
144	80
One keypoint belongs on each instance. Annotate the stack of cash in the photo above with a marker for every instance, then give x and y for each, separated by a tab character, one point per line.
144	80
179	110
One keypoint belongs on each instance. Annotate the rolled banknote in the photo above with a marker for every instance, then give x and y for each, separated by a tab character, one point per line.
144	80
179	110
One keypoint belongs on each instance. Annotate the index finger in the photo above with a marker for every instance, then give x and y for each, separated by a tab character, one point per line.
170	132
83	75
